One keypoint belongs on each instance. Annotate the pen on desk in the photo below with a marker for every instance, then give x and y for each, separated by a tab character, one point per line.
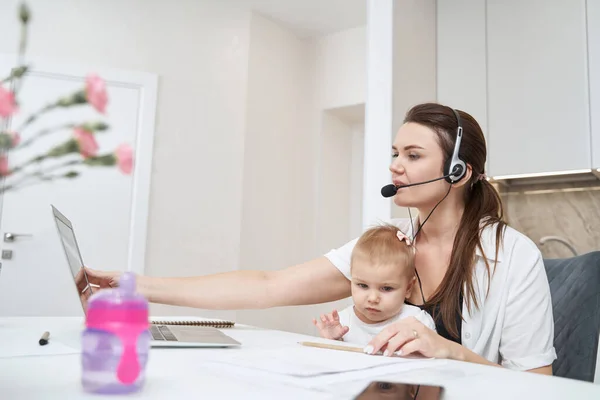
337	347
44	338
332	347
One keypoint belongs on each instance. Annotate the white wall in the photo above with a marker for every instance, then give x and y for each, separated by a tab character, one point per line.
461	57
340	169
277	226
356	178
333	224
341	66
415	71
239	129
414	64
195	204
341	82
340	71
299	172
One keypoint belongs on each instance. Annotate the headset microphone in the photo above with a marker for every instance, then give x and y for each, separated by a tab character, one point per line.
391	189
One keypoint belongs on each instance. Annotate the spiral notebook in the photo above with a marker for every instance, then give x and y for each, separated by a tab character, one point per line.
211	323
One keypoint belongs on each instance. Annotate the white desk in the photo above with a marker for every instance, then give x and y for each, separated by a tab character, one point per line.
185	373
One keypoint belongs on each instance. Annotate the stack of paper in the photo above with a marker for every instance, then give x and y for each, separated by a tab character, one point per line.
300	361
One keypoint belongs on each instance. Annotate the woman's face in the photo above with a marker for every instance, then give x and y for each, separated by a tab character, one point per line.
417	157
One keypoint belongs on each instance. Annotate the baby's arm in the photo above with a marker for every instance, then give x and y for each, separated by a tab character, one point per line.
330	327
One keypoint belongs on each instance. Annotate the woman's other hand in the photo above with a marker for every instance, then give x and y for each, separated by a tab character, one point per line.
409	336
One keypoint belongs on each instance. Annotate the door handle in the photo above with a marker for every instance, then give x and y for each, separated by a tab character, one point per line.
10	237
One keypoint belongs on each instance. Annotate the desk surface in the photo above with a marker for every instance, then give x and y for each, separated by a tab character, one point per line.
182	373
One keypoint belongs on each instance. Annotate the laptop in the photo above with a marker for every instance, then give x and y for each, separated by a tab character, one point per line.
162	335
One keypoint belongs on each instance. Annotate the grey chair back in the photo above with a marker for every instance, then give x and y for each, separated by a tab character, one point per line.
575	291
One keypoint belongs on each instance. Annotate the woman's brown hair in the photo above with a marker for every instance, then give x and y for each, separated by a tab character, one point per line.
483	208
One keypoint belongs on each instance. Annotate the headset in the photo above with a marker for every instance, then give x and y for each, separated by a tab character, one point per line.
455	168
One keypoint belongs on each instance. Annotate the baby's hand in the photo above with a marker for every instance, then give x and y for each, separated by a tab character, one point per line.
330	326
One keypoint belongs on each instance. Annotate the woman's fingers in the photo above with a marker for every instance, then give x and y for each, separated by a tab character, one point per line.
382	339
403	337
103	279
80	281
407	337
394	336
411	347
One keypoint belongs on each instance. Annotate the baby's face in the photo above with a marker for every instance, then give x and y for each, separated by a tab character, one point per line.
378	291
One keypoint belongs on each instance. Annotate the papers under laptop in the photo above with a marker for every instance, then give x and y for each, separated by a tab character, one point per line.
162	335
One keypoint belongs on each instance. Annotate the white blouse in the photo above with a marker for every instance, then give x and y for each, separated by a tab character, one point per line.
513	325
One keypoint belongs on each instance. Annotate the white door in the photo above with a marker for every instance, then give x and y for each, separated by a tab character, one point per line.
107	208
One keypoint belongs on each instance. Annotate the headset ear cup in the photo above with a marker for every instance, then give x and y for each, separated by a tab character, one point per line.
458	171
447	169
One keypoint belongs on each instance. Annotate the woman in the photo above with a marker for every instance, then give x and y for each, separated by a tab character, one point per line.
484	282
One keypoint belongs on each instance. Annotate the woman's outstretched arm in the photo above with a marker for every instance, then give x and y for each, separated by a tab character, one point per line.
312	282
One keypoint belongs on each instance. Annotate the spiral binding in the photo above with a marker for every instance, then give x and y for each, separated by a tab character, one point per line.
214	324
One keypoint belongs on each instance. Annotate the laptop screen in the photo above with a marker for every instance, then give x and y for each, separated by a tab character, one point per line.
73	255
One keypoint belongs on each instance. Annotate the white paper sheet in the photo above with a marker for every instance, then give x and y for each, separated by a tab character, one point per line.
325	382
302	361
25	342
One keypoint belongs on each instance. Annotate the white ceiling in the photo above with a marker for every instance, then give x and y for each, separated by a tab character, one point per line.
312	18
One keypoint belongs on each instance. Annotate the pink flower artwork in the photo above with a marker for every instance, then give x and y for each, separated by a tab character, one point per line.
88	147
8	106
95	91
15	137
4	171
124	155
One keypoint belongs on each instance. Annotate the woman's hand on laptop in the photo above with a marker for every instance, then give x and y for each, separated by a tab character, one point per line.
102	279
99	280
95	280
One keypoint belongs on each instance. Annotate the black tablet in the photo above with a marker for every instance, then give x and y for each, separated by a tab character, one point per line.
400	391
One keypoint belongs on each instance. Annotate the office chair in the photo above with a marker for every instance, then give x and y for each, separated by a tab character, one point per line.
575	291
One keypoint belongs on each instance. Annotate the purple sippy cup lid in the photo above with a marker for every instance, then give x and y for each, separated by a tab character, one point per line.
122	297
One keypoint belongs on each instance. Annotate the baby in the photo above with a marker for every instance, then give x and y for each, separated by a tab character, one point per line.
383	274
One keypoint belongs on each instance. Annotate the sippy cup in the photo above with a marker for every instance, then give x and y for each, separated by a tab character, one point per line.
116	341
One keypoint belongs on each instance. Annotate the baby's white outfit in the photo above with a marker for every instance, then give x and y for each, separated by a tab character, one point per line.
361	333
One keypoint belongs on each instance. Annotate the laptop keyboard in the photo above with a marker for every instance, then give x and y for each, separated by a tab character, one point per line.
162	332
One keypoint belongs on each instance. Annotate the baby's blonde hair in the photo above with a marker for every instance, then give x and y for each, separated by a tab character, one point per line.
380	245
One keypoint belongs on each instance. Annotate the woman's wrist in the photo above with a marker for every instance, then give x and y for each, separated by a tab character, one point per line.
457	352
